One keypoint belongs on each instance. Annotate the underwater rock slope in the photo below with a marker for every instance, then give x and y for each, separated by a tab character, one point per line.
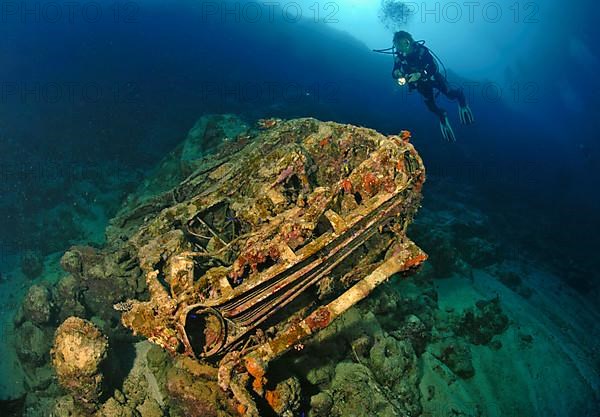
243	265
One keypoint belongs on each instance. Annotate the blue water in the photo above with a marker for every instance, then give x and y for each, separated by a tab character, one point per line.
124	81
108	90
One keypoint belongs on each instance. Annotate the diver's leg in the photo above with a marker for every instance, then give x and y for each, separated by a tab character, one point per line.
464	111
452	93
426	90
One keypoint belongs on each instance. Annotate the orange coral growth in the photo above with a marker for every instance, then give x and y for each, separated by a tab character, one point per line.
400	165
346	185
293	236
405	135
319	319
274	253
258	384
370	183
274	399
389	185
415	261
267	123
254	368
257	370
324	141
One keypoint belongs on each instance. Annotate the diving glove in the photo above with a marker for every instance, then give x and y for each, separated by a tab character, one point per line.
466	115
447	132
414	77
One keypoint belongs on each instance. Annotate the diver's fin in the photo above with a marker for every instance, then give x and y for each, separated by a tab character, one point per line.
466	115
446	129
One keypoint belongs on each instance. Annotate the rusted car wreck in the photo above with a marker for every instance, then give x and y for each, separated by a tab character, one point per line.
271	238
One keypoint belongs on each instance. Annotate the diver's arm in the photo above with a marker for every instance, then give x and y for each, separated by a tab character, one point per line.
429	65
397	72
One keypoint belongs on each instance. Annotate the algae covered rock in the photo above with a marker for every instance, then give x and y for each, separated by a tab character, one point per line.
478	252
33	344
72	260
207	136
98	280
194	392
285	398
394	365
321	404
67	406
32	264
112	408
456	355
37	305
68	297
356	393
481	323
414	331
77	354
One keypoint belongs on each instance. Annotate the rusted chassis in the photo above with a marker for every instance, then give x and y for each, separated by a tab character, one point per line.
368	189
233	319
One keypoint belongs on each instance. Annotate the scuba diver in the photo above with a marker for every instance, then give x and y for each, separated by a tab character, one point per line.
414	65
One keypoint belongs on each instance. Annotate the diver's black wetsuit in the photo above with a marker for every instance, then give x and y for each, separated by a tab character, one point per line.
421	60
